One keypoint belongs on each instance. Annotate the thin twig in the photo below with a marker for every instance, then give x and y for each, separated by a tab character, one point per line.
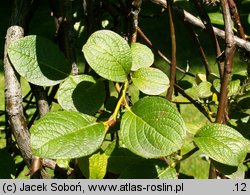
206	21
173	50
195	103
200	49
236	18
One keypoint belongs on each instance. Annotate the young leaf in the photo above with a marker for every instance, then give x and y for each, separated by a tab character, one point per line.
150	81
81	93
39	61
153	128
142	56
204	89
222	143
234	87
109	55
94	166
62	135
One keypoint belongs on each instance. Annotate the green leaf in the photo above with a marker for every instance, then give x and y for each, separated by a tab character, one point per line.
134	93
153	128
62	135
193	92
109	55
217	85
222	143
7	165
63	163
200	78
142	56
248	19
234	87
204	89
149	169
39	61
120	158
216	18
94	166
150	81
81	93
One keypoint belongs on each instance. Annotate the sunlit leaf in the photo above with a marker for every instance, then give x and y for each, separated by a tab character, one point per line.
62	135
109	55
153	128
39	60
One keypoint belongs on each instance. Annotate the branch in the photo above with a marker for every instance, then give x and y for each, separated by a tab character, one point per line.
236	18
187	17
173	50
135	9
229	54
22	11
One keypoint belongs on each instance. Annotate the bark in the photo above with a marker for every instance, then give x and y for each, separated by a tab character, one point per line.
22	11
13	98
173	51
229	54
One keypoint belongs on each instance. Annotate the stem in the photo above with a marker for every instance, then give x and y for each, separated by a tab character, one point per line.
200	49
190	153
229	54
173	48
195	103
122	100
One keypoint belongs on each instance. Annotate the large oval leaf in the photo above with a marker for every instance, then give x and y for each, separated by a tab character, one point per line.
81	93
222	143
153	128
142	56
150	81
109	55
39	61
61	135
